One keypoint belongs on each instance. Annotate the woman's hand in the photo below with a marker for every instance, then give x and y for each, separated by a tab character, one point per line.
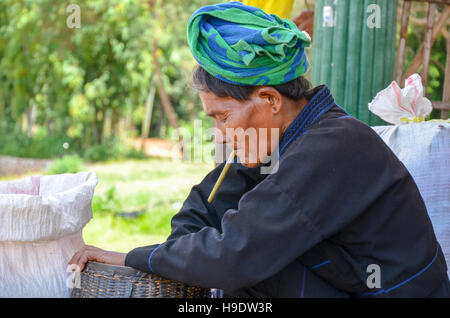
91	253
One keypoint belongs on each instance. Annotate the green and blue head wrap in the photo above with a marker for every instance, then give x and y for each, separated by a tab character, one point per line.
244	45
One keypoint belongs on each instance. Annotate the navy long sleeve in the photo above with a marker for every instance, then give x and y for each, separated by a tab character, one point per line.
339	202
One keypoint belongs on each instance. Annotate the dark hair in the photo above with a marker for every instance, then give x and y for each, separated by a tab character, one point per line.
204	81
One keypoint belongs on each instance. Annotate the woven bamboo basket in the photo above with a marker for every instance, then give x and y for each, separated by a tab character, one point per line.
111	281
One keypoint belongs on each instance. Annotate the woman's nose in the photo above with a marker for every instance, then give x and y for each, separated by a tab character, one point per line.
219	136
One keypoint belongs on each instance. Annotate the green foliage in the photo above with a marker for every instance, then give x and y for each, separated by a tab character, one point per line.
19	144
107	203
198	139
81	85
112	149
66	164
131	153
72	81
155	187
101	152
436	72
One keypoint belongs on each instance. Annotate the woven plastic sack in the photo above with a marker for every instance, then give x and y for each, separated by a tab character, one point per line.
424	148
41	222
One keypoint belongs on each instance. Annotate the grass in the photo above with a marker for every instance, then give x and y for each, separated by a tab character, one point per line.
156	188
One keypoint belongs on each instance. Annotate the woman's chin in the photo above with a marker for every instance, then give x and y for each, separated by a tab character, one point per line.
249	164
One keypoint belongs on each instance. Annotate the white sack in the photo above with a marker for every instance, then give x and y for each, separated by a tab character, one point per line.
423	147
41	221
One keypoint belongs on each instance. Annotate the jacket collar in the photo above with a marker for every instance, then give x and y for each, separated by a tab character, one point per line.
320	101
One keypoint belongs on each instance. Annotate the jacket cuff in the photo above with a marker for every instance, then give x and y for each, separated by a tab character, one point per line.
140	258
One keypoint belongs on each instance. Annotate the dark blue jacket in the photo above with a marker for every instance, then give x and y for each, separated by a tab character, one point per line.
340	204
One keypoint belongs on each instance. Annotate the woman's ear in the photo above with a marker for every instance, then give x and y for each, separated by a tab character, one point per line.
271	97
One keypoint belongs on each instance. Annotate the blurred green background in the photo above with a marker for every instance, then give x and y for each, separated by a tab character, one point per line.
135	200
80	97
88	86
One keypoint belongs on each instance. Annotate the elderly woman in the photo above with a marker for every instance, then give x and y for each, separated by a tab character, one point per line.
340	216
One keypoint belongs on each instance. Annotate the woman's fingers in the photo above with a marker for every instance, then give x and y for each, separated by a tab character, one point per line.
81	257
75	257
91	253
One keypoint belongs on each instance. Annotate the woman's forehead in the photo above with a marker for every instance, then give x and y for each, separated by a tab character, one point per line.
214	104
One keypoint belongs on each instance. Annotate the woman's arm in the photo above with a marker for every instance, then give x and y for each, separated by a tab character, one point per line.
195	214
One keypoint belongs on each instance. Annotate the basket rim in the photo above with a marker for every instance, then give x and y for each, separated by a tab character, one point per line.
92	267
119	277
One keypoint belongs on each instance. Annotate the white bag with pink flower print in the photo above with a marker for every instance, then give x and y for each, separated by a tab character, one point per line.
41	222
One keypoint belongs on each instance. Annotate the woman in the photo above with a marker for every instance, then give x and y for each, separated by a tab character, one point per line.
339	217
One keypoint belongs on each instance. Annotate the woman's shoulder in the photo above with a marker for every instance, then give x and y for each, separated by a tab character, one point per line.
337	143
337	131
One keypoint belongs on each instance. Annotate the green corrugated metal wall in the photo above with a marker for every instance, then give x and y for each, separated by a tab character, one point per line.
353	59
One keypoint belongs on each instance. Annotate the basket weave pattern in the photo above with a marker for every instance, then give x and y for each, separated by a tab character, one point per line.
111	281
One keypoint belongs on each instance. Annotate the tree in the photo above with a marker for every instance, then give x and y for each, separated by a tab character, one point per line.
71	81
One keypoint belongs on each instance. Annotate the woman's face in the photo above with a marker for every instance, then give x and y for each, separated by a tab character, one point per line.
250	127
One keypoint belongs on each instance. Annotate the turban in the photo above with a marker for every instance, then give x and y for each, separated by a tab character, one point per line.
244	45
